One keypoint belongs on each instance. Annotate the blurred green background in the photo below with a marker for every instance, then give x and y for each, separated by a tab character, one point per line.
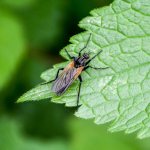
32	32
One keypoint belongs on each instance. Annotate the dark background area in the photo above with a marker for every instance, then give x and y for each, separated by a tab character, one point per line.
32	32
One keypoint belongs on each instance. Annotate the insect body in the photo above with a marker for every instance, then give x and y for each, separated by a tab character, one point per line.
71	72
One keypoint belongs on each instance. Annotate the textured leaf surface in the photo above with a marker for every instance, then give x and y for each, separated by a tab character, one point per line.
122	92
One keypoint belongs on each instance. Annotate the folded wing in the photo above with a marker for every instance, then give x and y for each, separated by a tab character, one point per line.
66	78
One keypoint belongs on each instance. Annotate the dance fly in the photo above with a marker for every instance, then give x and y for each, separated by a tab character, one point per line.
72	71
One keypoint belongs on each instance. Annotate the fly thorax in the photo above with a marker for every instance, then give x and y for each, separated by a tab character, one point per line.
80	61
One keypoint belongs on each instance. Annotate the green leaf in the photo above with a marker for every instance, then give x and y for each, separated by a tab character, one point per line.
120	93
12	46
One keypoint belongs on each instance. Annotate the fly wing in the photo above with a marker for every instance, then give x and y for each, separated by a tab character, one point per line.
75	75
64	78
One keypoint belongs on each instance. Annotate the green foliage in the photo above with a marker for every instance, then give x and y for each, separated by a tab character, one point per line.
122	92
10	130
43	22
16	3
12	46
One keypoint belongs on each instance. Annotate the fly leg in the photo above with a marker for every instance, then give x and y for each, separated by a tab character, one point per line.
93	68
85	45
89	62
80	78
69	54
55	77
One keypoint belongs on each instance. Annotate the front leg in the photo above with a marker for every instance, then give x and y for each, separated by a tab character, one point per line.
93	68
85	45
55	77
80	78
69	54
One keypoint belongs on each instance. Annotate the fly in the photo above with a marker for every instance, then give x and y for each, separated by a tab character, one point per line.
72	71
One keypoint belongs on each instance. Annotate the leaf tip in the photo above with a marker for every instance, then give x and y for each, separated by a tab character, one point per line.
138	137
19	100
76	113
109	131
